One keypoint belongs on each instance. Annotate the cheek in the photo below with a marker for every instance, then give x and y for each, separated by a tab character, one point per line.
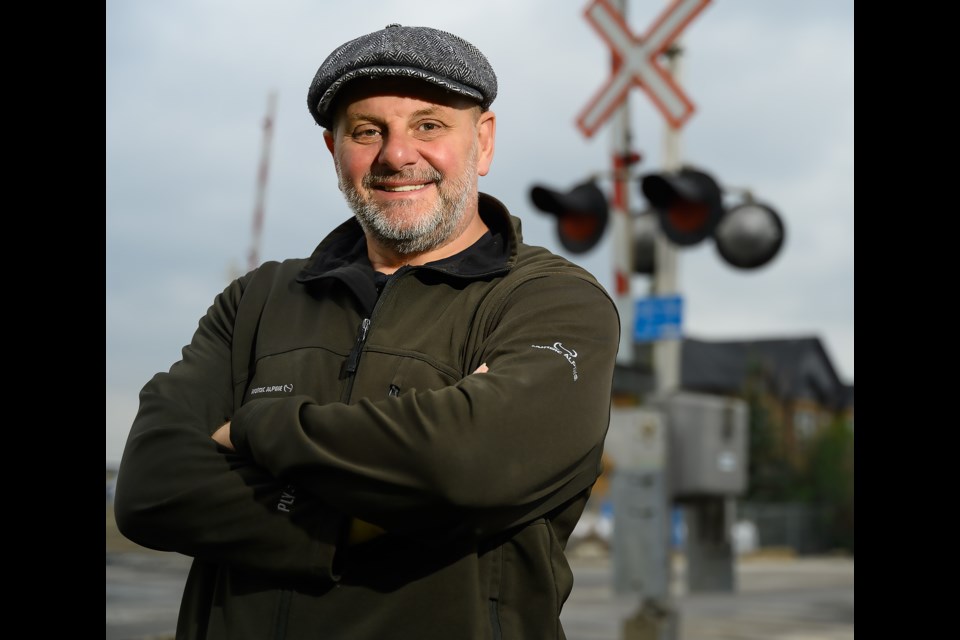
353	167
449	161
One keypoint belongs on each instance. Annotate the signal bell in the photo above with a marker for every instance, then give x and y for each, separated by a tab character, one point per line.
582	214
750	235
688	202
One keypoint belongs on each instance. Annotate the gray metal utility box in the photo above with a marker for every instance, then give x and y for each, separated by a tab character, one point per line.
707	444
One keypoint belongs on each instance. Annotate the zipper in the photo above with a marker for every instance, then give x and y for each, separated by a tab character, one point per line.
493	611
354	359
282	614
495	559
349	368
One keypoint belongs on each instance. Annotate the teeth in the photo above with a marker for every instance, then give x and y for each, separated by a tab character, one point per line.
412	187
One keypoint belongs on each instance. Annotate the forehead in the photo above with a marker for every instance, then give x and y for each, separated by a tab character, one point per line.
366	88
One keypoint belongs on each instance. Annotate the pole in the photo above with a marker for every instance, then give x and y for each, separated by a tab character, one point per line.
658	618
666	352
622	227
253	260
709	551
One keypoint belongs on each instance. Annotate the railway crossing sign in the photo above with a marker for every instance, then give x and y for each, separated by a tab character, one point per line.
636	63
658	318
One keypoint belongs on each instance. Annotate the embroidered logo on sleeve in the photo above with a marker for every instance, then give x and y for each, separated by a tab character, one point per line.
558	347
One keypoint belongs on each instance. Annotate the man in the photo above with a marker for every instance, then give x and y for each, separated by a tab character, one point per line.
395	437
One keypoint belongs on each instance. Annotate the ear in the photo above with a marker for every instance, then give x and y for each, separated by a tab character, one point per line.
328	139
487	133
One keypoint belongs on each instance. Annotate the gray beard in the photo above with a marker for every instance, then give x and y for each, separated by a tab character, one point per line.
394	229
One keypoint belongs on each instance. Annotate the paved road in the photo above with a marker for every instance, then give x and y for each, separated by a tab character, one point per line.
777	598
143	594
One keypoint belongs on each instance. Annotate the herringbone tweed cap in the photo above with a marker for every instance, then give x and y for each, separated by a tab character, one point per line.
414	52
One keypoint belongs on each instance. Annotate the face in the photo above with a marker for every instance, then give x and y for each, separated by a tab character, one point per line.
408	156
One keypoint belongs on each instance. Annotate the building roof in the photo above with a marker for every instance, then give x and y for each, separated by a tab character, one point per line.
790	368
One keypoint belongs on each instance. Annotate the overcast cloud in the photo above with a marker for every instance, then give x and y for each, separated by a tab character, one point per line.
187	85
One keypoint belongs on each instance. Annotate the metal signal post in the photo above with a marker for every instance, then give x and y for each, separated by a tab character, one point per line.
620	205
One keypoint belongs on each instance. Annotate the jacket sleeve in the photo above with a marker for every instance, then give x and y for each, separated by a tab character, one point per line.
177	490
493	451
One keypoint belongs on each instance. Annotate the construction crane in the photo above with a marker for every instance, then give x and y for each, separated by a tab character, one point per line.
253	258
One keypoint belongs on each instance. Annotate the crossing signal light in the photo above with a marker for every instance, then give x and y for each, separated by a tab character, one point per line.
686	206
582	214
688	202
749	235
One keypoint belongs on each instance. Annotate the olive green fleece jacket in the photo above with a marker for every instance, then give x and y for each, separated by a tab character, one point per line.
345	404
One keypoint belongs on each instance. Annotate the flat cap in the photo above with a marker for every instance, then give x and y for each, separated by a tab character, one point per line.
422	53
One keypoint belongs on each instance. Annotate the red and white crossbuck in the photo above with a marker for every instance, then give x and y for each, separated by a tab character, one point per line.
636	63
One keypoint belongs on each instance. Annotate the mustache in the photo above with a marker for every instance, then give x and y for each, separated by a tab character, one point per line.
371	180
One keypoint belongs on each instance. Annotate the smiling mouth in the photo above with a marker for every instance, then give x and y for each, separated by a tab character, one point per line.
402	188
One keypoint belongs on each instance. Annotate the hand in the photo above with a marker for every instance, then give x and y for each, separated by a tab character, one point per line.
482	368
361	531
222	436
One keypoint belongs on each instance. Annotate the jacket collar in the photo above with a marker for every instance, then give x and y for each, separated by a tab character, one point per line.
345	248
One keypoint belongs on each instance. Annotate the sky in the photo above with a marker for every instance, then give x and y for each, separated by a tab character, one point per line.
187	89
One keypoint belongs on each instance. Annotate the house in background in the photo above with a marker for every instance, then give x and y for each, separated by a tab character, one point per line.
794	378
794	382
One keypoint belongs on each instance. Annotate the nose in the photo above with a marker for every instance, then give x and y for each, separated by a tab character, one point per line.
398	150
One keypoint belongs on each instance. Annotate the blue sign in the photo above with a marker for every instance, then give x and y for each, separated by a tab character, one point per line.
658	318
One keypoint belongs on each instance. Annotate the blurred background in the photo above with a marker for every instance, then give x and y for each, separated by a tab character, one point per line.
199	190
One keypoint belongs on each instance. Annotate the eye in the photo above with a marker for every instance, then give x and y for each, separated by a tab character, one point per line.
365	134
428	130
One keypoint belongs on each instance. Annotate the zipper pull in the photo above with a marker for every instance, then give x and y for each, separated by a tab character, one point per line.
354	358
